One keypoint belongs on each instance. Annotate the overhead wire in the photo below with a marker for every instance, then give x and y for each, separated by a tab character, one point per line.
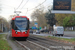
27	8
35	7
19	5
25	4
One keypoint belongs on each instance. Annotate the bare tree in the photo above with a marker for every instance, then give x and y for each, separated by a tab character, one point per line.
3	24
39	16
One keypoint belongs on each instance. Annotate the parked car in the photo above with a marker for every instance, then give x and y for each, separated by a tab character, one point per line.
37	31
44	31
31	31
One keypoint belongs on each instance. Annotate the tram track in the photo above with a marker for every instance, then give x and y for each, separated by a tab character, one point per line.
26	45
36	43
48	43
29	45
39	45
26	48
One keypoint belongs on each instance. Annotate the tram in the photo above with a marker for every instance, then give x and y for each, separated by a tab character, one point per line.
20	27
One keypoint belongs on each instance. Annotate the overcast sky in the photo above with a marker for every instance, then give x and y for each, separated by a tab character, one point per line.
8	6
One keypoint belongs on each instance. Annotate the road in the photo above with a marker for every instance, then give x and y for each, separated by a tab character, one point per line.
67	34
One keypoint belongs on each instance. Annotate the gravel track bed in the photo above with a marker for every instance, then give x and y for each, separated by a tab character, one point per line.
46	43
49	43
31	46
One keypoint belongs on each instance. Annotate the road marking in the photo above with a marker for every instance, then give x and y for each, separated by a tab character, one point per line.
38	45
23	45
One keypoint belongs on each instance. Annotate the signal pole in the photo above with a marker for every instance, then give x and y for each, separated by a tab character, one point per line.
2	25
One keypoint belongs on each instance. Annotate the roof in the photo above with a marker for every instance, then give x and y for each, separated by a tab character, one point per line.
19	17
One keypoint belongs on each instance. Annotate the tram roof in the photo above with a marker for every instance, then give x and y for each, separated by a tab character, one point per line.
19	17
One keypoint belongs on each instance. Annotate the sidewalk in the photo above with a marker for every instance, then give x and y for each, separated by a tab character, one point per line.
3	32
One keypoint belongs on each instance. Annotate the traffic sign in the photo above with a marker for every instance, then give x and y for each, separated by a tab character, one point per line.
34	28
40	27
62	5
36	23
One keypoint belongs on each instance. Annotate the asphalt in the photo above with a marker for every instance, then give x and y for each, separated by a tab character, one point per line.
67	34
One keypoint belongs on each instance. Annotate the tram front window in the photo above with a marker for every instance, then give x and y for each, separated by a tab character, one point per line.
21	23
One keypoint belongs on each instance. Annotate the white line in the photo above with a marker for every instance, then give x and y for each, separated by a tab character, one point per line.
23	45
38	45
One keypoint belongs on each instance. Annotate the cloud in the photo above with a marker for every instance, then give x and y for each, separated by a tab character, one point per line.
7	11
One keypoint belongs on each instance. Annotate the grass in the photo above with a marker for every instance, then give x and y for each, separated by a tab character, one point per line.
3	43
71	40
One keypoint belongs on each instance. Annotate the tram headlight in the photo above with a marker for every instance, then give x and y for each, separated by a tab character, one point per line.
25	32
16	32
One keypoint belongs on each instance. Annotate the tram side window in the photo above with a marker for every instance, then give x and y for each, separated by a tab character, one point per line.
13	25
27	25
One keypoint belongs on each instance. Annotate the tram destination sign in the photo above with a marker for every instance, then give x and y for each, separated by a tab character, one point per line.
62	5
